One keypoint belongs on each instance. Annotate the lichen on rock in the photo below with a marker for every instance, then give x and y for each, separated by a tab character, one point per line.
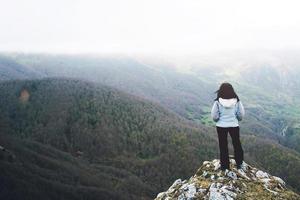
210	183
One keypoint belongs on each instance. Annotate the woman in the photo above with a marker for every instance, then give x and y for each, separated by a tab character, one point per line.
227	111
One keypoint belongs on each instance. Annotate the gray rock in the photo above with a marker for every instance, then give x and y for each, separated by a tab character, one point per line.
260	174
231	175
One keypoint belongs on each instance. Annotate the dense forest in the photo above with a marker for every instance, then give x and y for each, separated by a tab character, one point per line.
268	88
72	139
85	132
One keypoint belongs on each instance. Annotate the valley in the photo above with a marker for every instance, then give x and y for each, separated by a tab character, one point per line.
130	129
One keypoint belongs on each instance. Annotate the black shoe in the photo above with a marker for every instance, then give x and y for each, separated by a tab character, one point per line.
239	166
224	168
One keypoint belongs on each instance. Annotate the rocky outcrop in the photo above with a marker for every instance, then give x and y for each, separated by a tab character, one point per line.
211	183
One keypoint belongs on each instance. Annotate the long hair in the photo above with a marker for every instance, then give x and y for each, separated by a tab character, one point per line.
226	91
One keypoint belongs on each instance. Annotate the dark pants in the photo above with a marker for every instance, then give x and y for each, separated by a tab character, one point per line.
238	151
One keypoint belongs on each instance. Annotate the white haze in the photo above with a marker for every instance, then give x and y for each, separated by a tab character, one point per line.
148	26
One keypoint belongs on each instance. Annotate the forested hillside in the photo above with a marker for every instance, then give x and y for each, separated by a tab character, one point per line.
68	135
84	132
267	84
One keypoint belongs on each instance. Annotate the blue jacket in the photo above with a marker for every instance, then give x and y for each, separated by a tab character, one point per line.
227	112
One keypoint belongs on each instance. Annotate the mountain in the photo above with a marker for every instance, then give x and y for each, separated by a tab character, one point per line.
269	132
72	139
210	182
266	82
10	69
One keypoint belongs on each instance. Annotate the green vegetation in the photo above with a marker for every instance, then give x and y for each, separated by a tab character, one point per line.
115	133
107	129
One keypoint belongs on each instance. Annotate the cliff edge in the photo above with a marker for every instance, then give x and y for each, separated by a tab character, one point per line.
211	183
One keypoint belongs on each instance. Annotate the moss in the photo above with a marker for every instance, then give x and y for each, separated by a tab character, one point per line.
256	190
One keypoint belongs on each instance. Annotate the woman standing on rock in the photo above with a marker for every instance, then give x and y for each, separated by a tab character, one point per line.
227	111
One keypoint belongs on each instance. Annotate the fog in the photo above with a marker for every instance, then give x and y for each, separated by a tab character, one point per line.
148	26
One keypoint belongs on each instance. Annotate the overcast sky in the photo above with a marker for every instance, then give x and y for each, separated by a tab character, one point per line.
148	26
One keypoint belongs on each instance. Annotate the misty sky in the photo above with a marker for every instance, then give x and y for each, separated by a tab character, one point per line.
143	26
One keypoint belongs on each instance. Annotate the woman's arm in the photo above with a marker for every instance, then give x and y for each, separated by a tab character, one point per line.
215	113
240	112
